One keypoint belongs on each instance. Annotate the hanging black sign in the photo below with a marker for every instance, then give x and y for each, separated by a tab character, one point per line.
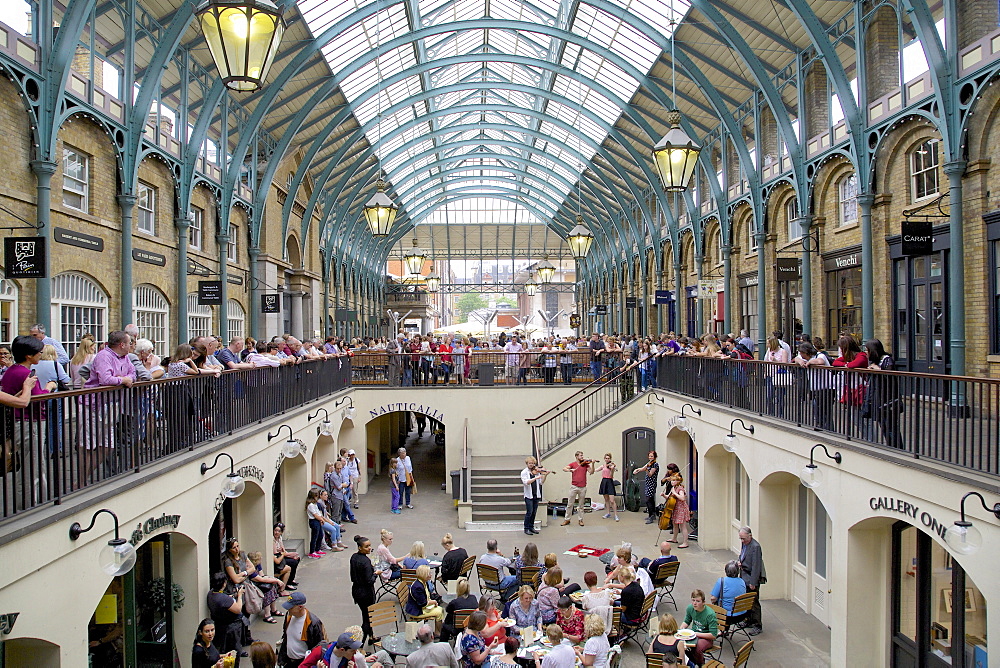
631	302
270	303
918	238
345	315
78	239
235	279
574	320
601	309
789	269
149	257
209	293
663	296
24	257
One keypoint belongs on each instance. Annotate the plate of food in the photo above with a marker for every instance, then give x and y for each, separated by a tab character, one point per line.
685	635
509	622
576	596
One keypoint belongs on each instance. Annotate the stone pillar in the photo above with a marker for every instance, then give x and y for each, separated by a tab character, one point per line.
127	205
182	222
761	287
44	169
865	201
296	297
956	268
730	292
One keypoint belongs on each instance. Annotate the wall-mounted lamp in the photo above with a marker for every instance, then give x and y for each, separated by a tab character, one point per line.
289	448
325	428
683	422
731	441
233	485
962	536
811	475
649	403
118	556
350	411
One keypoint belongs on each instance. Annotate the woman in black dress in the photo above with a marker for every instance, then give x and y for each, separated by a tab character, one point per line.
204	654
363	583
652	471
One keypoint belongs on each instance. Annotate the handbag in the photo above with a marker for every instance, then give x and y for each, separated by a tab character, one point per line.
61	385
410	483
253	598
853	396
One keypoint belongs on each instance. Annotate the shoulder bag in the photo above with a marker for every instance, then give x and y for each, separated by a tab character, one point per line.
253	598
61	385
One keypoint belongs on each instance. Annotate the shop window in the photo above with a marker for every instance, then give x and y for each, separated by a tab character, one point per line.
79	306
924	170
792	219
236	318
146	219
199	317
231	241
843	300
748	309
751	239
847	191
76	186
8	310
152	315
194	231
996	296
718	248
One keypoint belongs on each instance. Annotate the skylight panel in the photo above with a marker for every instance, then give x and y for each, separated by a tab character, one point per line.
586	127
452	74
370	33
321	14
616	36
599	69
455	10
517	43
658	13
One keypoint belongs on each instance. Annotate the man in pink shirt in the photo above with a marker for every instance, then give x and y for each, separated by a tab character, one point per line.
579	469
103	414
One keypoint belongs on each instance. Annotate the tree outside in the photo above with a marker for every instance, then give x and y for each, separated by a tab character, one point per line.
468	303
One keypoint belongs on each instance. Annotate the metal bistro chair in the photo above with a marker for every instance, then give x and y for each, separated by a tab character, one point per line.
383	612
742	657
387	587
489	579
737	621
664	581
721	618
461	618
408	576
616	624
633	631
531	576
464	572
402	596
654	660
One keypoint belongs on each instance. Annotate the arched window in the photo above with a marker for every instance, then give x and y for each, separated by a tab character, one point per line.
847	196
8	310
924	170
199	317
79	306
236	318
151	314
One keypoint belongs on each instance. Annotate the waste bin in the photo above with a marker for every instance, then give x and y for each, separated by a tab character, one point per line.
456	486
485	374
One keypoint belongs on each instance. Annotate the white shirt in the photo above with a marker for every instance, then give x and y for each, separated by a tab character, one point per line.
562	656
296	648
598	647
352	467
525	477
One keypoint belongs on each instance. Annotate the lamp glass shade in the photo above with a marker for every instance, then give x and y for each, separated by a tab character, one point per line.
649	410
675	156
682	422
963	538
233	485
290	449
117	557
350	412
380	212
530	287
811	476
545	270
730	442
580	239
326	428
243	36
433	282
414	258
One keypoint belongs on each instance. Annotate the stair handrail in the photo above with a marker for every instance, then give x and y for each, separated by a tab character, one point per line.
602	380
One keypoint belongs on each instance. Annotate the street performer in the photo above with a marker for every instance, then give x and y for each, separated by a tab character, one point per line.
580	468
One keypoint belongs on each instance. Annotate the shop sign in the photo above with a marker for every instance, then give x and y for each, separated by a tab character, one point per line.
574	320
235	279
601	309
789	269
153	525
842	262
270	303
749	280
24	257
661	297
78	239
411	406
918	237
907	509
7	622
345	315
149	257
631	302
209	293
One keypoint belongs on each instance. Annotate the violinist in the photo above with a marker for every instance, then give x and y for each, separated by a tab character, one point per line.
682	512
652	471
532	477
580	468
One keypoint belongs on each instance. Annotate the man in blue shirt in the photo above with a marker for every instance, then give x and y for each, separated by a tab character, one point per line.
38	331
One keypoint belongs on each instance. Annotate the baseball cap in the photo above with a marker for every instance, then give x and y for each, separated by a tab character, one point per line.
347	641
296	598
351	452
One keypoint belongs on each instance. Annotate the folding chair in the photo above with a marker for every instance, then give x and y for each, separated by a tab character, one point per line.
633	630
616	624
664	581
654	660
387	587
461	617
737	621
721	617
614	656
383	612
741	659
489	579
530	575
402	596
409	576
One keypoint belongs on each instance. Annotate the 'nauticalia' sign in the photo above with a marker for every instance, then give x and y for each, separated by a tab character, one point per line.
411	406
907	509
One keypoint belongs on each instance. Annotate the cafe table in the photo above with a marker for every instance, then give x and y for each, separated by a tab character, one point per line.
396	644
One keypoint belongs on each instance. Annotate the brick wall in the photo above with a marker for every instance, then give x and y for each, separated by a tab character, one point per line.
976	19
882	53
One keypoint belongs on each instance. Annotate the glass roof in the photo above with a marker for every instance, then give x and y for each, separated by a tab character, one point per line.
436	129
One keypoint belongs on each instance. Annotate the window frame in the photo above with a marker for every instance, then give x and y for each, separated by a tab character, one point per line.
919	170
232	244
84	190
147	212
850	204
195	228
792	217
153	320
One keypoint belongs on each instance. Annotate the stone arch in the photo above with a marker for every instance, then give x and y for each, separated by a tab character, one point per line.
895	151
30	652
292	252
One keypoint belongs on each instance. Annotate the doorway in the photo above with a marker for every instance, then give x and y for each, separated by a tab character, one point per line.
636	446
920	328
813	546
790	308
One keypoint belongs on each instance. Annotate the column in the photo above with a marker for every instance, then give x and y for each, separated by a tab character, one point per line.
761	288
182	222
699	263
679	311
956	270
255	328
865	202
44	169
296	313
127	205
807	250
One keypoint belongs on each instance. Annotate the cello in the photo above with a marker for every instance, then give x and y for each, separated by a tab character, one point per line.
668	512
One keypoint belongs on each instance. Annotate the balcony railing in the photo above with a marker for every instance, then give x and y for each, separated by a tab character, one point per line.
951	419
64	442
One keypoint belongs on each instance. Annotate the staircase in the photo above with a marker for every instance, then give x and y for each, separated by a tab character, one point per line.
496	493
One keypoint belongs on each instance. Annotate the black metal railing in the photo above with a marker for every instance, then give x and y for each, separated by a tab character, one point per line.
524	368
952	419
64	442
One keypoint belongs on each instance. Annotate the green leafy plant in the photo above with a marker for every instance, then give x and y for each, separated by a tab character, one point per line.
155	595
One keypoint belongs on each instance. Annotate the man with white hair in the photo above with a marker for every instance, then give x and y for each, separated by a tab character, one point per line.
431	653
394	349
38	331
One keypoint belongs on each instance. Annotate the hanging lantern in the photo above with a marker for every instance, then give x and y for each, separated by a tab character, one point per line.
414	259
530	287
546	270
433	281
380	211
243	36
580	239
675	155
